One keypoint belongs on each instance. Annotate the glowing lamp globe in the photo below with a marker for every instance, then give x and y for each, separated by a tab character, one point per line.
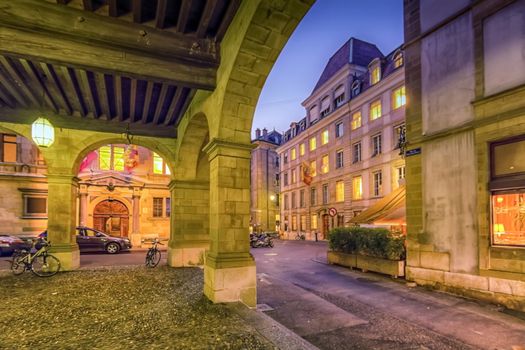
42	132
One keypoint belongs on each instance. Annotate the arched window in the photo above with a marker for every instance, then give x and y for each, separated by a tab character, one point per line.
356	88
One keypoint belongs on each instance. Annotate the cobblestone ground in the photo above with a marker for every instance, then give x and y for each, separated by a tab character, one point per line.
118	308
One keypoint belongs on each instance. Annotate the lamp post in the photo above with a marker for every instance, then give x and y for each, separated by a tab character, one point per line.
43	132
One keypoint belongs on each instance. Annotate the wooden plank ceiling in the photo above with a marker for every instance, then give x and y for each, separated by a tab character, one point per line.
122	63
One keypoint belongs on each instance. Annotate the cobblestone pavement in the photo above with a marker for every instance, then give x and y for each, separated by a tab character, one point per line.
118	308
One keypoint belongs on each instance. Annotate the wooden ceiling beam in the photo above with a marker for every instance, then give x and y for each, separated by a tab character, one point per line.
88	93
88	5
12	88
113	8
8	100
160	103
227	18
204	22
103	97
184	14
101	32
160	16
147	101
51	74
41	83
117	83
137	10
70	78
174	102
17	76
132	100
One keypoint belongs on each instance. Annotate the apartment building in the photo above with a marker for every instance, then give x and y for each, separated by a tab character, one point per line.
343	156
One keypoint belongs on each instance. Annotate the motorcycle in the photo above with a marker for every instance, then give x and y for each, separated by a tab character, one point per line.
260	240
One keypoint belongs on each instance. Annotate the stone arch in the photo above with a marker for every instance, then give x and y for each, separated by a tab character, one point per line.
93	206
194	136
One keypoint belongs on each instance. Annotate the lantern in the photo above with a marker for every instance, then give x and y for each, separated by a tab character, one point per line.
43	132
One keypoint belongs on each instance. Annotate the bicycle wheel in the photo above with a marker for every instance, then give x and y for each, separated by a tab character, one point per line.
18	265
152	258
45	265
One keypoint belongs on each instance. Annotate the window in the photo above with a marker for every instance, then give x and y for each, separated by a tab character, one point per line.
294	176
9	148
159	165
398	97
325	106
111	157
313	143
398	60
313	222
286	227
168	207
35	204
302	200
294	222
325	194
286	205
339	159
375	110
376	145
375	75
339	130
356	152
277	180
378	183
340	220
339	94
357	188
285	156
324	164
302	223
314	114
302	149
324	137
157	207
313	168
356	88
339	191
356	120
398	130
293	155
400	173
313	196
294	200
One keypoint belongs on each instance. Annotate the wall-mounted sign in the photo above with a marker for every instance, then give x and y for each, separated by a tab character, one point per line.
413	152
332	211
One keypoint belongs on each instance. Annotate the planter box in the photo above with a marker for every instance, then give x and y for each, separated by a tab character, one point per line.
394	268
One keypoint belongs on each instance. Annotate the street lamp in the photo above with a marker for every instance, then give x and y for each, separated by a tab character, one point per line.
42	132
272	197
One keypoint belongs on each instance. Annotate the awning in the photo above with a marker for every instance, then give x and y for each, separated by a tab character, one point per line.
389	210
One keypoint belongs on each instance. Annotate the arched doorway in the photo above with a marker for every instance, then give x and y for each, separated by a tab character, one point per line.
111	216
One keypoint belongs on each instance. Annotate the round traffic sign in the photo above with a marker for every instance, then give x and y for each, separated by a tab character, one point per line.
332	211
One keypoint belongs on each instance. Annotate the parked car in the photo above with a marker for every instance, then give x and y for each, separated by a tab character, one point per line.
9	243
91	240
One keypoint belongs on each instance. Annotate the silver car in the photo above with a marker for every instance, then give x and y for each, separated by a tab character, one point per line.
9	243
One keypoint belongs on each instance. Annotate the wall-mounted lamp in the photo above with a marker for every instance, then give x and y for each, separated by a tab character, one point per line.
272	197
402	142
43	132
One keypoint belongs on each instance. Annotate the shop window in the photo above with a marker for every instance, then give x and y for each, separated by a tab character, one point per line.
399	97
8	149
375	110
357	188
159	165
356	120
339	191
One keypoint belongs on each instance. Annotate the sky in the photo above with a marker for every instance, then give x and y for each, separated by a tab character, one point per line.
324	29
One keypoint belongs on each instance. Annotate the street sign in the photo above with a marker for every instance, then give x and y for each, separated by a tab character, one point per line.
413	152
332	211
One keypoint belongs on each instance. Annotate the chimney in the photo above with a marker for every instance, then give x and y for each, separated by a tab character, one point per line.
257	133
265	133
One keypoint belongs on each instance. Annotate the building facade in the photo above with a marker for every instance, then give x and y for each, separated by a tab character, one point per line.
466	187
265	181
123	190
343	156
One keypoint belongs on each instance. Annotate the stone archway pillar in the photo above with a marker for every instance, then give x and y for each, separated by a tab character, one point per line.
83	194
190	208
61	207
135	229
229	269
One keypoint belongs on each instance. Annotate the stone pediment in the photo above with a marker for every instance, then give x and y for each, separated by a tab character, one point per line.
111	180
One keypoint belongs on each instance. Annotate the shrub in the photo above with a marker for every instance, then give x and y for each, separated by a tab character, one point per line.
377	242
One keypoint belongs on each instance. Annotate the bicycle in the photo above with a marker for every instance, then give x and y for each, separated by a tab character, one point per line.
299	236
153	254
41	263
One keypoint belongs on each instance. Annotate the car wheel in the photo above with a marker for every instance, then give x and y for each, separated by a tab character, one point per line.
112	248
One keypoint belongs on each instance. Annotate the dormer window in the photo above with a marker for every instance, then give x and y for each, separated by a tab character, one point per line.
339	96
356	88
325	106
314	114
375	71
398	59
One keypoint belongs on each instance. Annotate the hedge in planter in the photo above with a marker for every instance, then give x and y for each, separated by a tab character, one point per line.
376	242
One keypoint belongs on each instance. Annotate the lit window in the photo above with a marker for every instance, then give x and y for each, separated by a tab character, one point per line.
378	183
159	165
398	97
118	158
324	137
376	145
157	207
356	120
313	168
104	157
357	188
294	200
400	173
339	191
9	148
356	152
339	159
294	176
324	164
111	158
302	149
313	222
508	218
398	60
294	222
325	194
313	196
302	223
339	130
313	143
375	75
375	110
293	154
302	200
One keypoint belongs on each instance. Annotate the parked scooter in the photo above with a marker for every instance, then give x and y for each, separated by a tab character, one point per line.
260	240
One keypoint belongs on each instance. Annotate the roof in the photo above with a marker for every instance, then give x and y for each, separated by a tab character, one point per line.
274	137
354	51
388	210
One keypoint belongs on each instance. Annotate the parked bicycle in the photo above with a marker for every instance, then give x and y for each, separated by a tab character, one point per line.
41	263
300	236
153	255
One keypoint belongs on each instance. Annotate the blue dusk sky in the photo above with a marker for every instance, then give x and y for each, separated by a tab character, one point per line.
324	29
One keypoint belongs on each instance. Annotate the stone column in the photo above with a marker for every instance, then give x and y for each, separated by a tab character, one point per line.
135	229
61	206
229	270
83	194
190	217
